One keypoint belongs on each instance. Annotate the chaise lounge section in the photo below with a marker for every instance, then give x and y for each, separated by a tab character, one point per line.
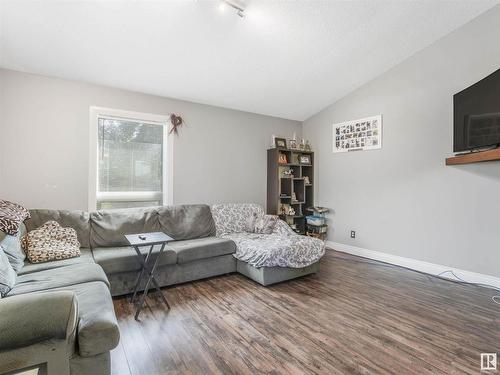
267	258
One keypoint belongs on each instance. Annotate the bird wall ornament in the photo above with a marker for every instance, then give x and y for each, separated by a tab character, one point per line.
177	122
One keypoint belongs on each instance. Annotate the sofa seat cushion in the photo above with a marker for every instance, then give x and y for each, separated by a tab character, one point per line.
58	278
97	330
85	257
201	248
124	258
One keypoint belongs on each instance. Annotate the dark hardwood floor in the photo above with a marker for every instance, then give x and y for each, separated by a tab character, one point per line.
354	316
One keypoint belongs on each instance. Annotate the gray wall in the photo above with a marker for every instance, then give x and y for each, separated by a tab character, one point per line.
220	155
402	199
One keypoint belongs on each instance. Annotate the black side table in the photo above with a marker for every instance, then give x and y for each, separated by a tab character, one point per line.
147	239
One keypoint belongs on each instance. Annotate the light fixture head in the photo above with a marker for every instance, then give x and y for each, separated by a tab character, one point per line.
238	5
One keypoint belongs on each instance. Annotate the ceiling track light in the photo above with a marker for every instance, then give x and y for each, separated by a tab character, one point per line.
238	5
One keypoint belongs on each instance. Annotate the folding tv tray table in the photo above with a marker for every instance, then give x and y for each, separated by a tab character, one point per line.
147	239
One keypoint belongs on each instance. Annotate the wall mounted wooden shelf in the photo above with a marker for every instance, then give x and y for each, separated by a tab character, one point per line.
474	157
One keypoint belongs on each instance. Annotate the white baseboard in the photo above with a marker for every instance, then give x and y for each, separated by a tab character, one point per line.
417	265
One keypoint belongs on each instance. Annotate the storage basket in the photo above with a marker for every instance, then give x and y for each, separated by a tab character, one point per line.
315	220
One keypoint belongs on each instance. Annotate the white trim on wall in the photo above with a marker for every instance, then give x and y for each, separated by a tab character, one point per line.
417	265
168	154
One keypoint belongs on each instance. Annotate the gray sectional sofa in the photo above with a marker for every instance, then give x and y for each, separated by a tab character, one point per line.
195	254
62	313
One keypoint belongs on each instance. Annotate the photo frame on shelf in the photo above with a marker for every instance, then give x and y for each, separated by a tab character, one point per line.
292	143
280	142
305	159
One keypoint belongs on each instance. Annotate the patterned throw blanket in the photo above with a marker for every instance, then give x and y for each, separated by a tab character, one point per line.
11	216
275	245
51	242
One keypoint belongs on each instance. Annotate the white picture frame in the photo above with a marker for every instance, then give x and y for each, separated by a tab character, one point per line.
358	135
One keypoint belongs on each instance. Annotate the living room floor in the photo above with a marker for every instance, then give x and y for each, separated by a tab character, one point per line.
354	316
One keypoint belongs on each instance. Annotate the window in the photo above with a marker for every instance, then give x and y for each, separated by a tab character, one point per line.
131	166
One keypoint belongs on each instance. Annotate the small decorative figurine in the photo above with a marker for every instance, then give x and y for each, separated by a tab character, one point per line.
302	144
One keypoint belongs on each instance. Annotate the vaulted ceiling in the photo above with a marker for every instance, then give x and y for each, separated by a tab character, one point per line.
287	59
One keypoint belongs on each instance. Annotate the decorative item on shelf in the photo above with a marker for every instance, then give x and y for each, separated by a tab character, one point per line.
177	122
292	143
283	159
280	142
284	208
306	180
295	158
305	159
302	145
287	210
294	197
287	173
307	146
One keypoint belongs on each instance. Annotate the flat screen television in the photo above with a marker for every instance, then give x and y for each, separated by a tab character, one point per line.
476	115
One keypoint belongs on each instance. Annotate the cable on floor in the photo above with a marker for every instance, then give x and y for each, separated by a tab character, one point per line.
495	299
459	280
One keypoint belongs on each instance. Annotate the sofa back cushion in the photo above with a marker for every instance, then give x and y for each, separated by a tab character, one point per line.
186	222
232	217
108	227
76	219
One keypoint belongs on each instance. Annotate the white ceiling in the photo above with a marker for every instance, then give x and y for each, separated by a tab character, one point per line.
287	59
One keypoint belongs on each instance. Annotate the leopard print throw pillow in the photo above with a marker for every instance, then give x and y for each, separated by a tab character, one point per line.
51	242
11	216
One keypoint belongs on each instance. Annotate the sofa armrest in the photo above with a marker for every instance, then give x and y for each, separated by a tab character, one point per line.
27	319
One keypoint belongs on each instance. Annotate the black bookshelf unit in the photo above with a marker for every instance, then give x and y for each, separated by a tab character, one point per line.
290	183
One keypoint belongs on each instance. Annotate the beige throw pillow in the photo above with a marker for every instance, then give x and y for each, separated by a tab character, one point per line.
51	242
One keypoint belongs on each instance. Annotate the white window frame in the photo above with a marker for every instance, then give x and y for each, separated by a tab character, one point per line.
168	158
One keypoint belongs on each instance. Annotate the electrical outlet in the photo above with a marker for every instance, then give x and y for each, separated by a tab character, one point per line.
353	234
